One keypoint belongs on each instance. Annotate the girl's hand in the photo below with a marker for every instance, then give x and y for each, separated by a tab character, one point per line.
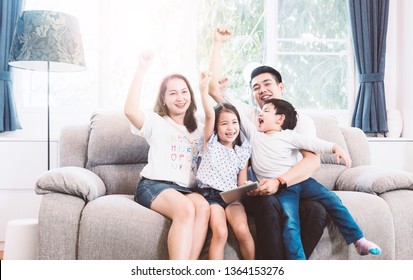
204	79
341	154
145	59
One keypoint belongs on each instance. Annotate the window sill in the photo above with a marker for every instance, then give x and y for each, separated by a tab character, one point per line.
389	140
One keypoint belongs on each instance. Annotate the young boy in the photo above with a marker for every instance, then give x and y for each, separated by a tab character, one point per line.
272	147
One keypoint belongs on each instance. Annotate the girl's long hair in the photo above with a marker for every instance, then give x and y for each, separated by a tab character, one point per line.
226	107
189	118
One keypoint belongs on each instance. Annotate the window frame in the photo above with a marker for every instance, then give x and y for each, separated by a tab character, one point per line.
270	48
272	52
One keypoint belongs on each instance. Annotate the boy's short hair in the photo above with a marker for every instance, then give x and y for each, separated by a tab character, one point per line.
266	69
285	108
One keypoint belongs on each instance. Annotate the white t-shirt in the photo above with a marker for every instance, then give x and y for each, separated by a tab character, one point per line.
173	150
305	125
274	154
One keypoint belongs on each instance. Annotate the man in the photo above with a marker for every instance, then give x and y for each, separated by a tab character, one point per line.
266	83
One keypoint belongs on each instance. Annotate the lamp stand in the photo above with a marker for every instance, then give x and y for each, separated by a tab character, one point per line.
48	115
60	47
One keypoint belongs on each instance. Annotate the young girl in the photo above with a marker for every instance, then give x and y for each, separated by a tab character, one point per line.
224	161
173	134
272	156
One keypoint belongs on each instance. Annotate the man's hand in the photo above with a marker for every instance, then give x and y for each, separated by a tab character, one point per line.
265	187
221	35
223	84
216	92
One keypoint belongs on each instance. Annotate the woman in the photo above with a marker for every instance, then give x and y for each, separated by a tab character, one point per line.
173	133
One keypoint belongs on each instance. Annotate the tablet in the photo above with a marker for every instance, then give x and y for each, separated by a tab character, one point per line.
238	193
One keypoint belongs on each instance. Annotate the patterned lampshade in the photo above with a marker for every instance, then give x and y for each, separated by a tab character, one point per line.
47	36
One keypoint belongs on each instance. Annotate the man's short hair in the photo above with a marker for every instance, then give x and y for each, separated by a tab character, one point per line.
266	69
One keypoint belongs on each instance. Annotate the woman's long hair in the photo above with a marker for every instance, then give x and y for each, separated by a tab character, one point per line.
189	118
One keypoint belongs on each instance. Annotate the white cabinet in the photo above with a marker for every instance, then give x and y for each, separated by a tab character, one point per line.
21	163
392	152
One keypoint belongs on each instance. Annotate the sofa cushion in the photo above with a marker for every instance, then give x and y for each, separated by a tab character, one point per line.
327	174
114	153
119	178
71	180
114	227
111	141
328	129
374	180
357	145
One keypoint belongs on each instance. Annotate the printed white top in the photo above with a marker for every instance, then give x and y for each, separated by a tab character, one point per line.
173	150
219	166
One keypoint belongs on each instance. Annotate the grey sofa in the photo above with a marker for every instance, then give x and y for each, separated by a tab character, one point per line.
87	209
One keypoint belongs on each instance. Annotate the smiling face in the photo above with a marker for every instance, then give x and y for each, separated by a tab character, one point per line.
264	87
227	128
177	97
269	121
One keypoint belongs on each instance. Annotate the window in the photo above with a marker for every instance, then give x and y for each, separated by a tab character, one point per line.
307	41
311	47
246	20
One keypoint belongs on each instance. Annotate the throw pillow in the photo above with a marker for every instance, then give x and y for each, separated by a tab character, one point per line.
374	180
71	180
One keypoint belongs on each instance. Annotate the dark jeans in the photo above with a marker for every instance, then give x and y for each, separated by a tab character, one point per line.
267	212
313	190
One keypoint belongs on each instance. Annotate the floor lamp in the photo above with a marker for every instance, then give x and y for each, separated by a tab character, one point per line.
47	41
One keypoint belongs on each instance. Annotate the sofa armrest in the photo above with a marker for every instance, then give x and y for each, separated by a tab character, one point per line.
59	225
71	180
373	180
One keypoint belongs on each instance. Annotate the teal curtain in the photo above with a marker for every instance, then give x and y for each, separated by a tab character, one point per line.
9	13
369	20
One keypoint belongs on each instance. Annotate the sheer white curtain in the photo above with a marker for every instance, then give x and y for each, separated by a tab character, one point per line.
114	32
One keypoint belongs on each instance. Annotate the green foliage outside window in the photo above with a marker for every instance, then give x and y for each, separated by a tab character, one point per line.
311	50
246	21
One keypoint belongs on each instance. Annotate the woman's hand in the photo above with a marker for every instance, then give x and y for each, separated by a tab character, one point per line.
145	59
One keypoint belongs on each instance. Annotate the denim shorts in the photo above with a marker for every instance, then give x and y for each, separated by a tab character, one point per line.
147	190
212	196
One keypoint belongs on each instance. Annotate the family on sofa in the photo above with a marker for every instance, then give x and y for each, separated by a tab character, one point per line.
89	210
190	163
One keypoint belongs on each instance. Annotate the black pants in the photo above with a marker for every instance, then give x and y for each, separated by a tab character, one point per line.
267	213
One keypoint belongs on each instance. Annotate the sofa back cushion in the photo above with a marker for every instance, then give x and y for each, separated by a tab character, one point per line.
328	128
114	153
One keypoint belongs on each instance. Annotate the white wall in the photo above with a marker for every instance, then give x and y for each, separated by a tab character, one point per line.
404	60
